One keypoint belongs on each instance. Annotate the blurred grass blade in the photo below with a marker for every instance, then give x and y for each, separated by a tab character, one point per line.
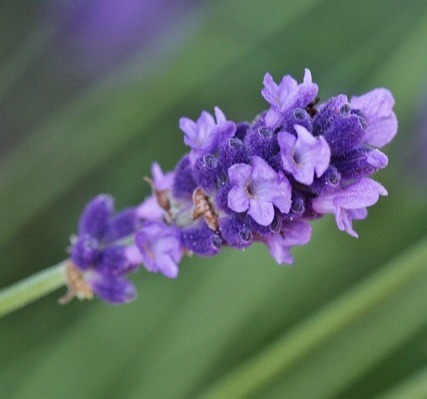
284	354
95	126
19	62
414	387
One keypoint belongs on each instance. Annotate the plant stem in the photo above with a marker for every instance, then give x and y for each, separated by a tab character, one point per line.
415	386
32	288
293	346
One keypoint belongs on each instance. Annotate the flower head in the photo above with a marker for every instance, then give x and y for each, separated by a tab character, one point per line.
305	155
287	95
350	202
160	247
257	189
206	134
97	256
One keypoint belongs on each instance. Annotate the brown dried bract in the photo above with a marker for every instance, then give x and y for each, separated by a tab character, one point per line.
77	286
162	196
202	207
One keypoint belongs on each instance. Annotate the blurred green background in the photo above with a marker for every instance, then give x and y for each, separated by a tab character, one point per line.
89	99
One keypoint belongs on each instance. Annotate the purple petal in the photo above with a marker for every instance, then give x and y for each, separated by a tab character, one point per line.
377	106
115	290
119	260
113	261
190	131
122	225
305	156
85	252
197	132
167	266
287	149
292	234
95	216
219	116
282	198
273	118
162	181
262	171
239	174
287	95
278	250
150	210
296	233
347	203
238	199
261	211
219	135
160	247
344	220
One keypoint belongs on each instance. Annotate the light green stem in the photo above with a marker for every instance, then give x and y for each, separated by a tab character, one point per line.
32	288
293	346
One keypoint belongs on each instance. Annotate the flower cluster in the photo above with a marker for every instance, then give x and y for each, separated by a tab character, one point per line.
242	183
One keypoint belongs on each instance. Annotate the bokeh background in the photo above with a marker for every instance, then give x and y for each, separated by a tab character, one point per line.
90	95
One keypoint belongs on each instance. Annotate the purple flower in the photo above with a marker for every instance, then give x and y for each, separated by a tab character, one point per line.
350	202
377	106
98	259
112	289
161	248
290	235
304	155
286	95
206	134
243	183
257	188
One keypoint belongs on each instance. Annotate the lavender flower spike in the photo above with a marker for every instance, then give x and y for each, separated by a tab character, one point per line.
305	155
257	189
243	183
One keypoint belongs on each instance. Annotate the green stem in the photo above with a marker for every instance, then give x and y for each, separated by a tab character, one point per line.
32	288
292	347
414	386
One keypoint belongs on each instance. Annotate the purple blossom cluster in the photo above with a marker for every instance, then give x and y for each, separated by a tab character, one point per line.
242	183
